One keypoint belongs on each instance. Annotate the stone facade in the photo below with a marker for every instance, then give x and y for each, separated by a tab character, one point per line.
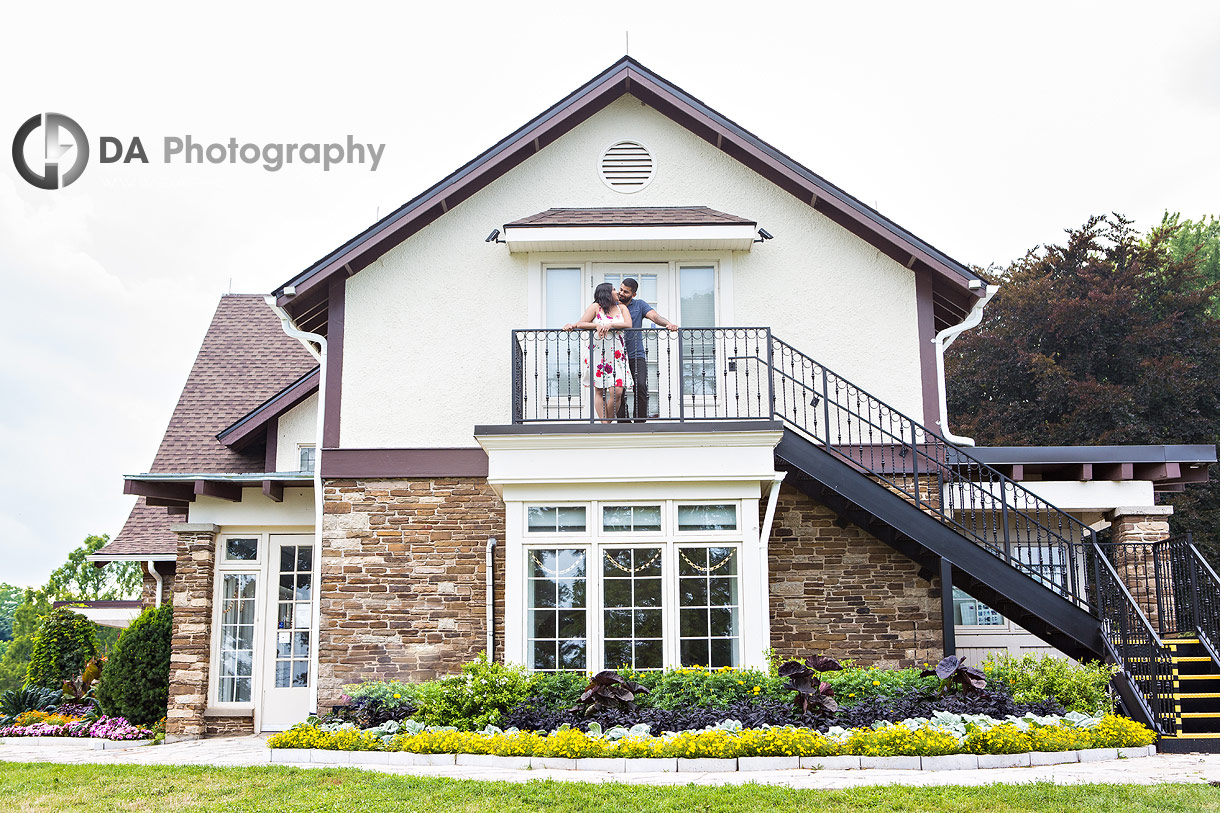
228	725
844	593
148	589
190	657
1132	532
403	579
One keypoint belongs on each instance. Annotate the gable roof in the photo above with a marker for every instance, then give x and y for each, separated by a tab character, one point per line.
952	294
633	216
245	359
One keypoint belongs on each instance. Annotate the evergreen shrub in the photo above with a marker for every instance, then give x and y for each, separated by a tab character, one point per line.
135	682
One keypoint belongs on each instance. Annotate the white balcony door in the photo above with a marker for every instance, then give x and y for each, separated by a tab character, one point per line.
291	631
654	288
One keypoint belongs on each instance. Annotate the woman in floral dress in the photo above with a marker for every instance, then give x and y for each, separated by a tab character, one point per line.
606	367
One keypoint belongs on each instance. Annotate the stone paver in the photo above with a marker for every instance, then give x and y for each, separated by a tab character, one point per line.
253	751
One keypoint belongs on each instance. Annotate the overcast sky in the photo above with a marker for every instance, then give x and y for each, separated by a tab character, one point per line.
986	132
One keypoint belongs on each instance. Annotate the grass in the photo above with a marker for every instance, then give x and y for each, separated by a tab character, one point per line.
43	786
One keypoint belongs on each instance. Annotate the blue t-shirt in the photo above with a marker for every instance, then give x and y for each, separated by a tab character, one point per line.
635	341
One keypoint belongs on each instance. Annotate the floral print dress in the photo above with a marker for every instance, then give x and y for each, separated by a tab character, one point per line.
609	358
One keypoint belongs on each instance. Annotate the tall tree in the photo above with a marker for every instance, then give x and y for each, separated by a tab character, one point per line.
10	597
34	605
1200	238
1105	339
80	580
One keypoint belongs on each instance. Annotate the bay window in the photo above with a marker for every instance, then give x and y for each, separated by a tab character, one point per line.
649	586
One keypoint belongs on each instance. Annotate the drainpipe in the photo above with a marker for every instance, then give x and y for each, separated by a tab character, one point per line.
942	342
152	571
764	572
319	353
491	600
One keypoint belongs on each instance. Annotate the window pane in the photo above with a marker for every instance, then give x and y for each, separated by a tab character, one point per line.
648	592
564	302
300	673
283	674
709	630
698	291
287	557
283	645
617	654
623	588
618	624
241	550
698	309
300	644
555	579
305	558
303	583
625	518
552	519
649	655
286	586
721	517
236	640
307	458
617	593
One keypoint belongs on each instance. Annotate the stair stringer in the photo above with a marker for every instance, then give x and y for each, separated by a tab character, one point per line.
1064	625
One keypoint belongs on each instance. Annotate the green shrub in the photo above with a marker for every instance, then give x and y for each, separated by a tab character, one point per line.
64	643
476	698
560	690
1031	678
696	686
386	696
855	684
135	682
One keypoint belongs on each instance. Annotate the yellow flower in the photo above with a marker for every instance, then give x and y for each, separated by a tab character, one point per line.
398	697
876	683
741	683
853	694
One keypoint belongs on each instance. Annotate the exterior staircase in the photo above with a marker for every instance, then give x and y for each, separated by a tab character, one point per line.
1196	698
953	515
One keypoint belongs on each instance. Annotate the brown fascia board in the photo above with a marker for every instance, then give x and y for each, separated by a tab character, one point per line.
249	428
629	76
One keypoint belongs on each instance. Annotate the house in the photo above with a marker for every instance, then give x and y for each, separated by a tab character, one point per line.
391	465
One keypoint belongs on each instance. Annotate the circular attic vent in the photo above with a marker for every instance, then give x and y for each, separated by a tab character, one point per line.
627	166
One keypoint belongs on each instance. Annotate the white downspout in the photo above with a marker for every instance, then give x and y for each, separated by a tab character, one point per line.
942	342
491	600
152	571
318	353
764	572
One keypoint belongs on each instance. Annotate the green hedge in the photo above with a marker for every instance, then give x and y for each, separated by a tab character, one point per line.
135	682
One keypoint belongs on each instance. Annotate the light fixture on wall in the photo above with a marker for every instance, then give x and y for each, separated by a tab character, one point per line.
764	235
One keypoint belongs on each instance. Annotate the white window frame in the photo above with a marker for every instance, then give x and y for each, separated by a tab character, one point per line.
223	568
602	505
594	541
541	535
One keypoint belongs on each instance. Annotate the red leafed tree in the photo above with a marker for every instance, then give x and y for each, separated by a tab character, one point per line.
1105	339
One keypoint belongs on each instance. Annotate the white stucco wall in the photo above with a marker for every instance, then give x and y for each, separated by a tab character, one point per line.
255	510
427	326
296	426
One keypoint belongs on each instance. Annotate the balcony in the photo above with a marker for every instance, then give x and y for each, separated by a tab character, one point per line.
693	374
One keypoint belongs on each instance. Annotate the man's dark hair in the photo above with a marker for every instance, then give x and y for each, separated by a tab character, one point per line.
631	283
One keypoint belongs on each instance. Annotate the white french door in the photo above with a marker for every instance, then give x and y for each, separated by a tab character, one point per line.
291	631
654	288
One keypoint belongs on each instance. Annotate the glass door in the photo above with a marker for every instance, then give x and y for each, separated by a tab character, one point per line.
291	631
658	348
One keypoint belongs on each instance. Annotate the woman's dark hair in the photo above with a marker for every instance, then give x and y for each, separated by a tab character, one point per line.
603	295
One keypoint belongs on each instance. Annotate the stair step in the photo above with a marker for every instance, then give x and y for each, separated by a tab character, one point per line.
1199	677
1195	715
1196	695
1200	736
1181	641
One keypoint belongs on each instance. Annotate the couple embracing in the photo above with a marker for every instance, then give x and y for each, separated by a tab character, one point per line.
615	364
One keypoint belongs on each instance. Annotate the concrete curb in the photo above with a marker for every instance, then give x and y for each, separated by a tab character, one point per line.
950	762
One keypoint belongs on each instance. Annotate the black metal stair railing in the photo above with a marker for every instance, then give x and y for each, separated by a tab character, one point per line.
1196	593
709	374
980	503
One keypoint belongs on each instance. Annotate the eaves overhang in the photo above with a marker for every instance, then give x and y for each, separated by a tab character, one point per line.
305	294
249	428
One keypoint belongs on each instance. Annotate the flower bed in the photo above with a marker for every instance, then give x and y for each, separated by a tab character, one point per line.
109	728
945	734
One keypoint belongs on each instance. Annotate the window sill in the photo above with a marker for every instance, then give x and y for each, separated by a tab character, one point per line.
236	711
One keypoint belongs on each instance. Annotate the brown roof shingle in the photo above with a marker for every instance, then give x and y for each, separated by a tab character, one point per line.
634	216
245	359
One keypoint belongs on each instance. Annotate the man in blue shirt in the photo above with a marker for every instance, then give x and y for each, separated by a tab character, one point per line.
637	358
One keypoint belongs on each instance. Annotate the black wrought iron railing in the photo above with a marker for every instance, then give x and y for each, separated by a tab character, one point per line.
1174	585
695	374
746	373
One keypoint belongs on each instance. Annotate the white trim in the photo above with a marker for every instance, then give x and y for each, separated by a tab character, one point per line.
101	558
526	239
630	440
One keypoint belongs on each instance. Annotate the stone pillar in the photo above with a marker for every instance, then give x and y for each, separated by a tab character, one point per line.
191	649
1133	530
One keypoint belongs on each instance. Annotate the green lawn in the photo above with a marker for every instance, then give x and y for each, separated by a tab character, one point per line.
42	787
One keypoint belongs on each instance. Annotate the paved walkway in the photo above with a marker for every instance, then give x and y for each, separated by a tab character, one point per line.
1191	768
